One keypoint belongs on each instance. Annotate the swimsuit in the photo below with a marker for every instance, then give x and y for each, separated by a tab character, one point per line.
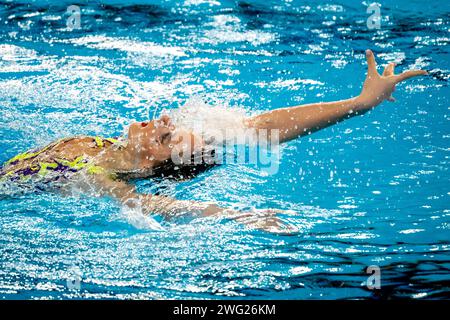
52	169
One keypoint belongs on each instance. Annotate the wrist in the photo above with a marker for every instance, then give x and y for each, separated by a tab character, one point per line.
362	104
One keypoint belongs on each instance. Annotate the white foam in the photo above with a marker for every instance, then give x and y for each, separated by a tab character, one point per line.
127	45
135	217
206	120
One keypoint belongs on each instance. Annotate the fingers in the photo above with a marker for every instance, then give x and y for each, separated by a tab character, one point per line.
391	99
409	74
389	70
371	63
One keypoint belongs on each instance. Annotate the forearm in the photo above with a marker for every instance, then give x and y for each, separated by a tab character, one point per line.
169	207
163	205
301	120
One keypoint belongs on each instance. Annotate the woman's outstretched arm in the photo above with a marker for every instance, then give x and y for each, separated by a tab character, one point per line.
169	207
301	120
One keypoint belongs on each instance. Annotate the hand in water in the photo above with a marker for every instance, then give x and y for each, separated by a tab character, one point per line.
378	88
266	220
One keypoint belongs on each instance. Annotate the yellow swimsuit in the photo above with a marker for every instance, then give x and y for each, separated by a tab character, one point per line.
59	167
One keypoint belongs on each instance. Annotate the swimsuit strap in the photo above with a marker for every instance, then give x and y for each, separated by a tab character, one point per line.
100	142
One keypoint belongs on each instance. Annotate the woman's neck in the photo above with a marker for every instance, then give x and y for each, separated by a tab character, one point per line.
123	159
113	159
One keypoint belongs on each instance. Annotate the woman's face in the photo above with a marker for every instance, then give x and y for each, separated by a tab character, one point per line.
154	142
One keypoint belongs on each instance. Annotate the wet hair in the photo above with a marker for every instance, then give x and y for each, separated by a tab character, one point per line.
179	173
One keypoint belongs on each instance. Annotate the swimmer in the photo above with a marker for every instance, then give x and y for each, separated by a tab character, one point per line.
109	166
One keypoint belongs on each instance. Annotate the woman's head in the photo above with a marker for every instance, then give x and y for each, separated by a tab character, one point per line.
153	143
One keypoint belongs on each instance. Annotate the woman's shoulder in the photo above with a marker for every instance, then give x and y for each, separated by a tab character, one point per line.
81	145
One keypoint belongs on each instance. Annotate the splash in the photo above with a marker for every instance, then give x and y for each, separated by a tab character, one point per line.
135	217
225	137
206	120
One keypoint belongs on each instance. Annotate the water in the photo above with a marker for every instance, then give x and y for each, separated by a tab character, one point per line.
372	190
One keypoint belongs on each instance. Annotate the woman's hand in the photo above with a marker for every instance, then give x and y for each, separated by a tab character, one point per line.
378	88
263	219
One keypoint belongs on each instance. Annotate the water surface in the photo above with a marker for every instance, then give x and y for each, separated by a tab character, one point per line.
372	190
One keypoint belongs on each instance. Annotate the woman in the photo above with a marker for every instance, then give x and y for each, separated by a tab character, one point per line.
108	165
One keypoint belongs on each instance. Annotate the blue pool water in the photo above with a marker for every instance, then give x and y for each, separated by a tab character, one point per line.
373	190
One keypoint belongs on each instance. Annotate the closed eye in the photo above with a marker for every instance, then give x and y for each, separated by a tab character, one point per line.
166	137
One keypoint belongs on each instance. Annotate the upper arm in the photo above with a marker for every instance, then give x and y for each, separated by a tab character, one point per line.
115	188
164	205
126	193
